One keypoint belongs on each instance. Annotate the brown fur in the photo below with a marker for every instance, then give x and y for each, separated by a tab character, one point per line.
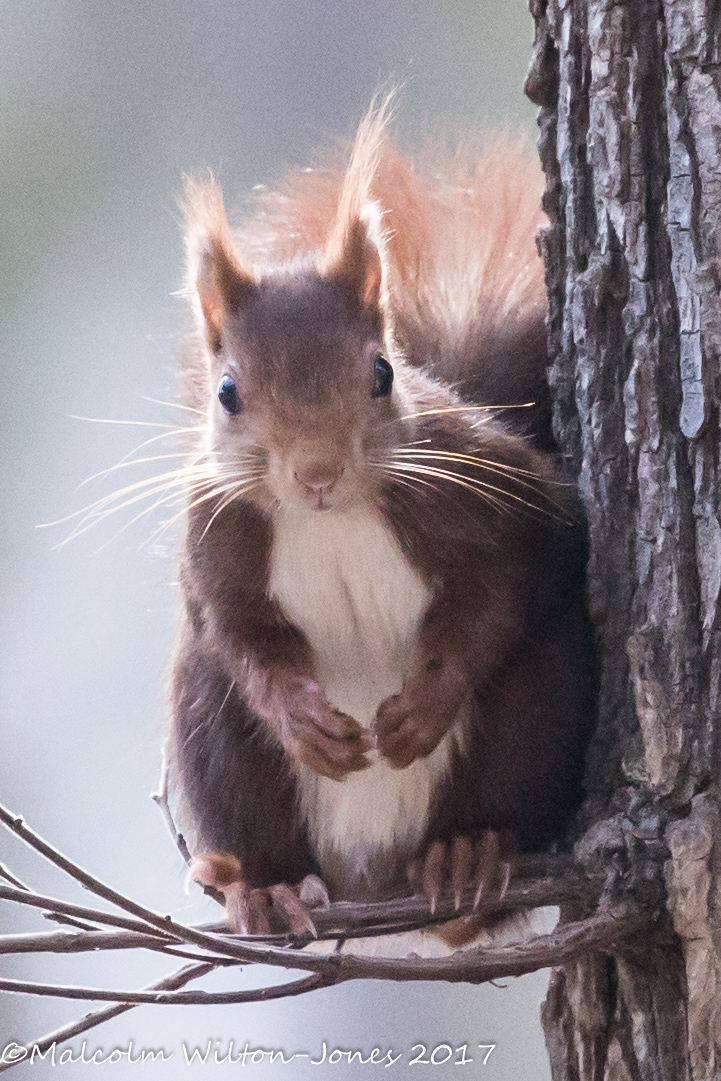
465	284
438	272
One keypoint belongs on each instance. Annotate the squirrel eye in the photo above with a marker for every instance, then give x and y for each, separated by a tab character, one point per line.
228	396
382	378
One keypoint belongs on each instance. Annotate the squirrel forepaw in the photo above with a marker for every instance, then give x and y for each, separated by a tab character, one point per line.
411	724
312	730
406	729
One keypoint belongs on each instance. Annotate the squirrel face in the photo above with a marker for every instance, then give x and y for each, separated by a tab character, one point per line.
304	399
304	406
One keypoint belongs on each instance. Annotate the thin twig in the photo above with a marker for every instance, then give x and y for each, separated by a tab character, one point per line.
345	919
17	826
242	951
608	932
85	942
92	941
9	877
98	1017
166	924
536	881
65	908
69	921
168	998
161	799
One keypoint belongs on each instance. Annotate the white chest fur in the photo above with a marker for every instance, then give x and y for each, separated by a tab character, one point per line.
343	580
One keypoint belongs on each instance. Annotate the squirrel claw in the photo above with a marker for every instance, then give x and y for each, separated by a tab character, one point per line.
313	893
255	911
462	864
286	900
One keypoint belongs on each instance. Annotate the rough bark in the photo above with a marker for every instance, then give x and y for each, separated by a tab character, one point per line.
630	122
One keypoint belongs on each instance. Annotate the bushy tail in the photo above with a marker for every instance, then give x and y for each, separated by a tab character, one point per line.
465	282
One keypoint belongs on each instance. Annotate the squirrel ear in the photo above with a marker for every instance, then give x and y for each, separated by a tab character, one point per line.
219	283
353	257
216	281
355	252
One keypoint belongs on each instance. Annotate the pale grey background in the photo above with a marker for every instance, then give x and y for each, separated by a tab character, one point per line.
102	107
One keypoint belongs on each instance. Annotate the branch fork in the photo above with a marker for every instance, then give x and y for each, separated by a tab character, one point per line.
537	880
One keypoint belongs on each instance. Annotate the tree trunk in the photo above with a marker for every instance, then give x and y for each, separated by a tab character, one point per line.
630	96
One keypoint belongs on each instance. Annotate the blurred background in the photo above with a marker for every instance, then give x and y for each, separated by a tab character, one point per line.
103	106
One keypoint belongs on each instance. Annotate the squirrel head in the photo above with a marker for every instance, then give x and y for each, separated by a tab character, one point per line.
300	368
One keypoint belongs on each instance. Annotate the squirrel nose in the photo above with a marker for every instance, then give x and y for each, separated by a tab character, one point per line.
317	478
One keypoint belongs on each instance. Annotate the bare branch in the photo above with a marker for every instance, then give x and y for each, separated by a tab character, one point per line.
245	952
350	919
9	877
37	900
609	932
340	920
537	880
69	921
168	998
98	1017
92	941
161	798
17	826
254	951
89	941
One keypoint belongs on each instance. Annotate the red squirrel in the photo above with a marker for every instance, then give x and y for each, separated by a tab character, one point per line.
385	666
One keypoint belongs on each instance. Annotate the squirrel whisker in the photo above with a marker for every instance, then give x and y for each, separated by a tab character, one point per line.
477	487
238	489
173	480
250	482
469	459
173	405
412	482
464	409
165	435
134	423
173	497
124	463
490	466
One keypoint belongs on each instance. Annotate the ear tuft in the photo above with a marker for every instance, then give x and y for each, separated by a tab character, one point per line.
354	257
216	282
354	252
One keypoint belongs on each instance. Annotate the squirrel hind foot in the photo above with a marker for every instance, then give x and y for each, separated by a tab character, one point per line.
259	911
463	863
